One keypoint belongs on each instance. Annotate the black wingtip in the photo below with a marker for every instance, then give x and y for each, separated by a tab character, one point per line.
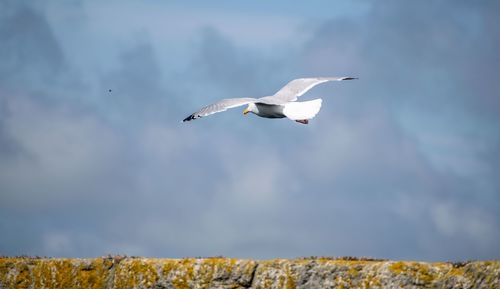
191	117
349	78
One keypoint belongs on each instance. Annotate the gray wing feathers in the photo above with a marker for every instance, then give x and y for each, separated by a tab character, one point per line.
287	93
298	87
219	106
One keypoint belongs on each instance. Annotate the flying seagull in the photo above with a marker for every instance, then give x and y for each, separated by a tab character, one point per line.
281	104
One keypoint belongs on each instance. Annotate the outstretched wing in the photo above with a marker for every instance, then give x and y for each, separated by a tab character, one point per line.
298	87
220	106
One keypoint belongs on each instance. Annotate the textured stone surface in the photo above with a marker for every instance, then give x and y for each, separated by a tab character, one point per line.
118	272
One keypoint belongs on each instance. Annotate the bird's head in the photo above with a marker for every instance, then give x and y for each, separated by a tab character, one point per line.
250	108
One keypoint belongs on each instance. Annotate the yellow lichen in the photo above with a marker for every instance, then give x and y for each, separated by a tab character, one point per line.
183	274
134	273
422	273
290	280
397	267
419	272
92	274
232	273
23	278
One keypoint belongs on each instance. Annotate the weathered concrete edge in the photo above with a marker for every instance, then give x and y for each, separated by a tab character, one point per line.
126	272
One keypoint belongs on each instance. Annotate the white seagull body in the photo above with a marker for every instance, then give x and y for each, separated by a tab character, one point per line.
281	104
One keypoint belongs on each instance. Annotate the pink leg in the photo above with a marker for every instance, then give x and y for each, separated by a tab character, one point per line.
303	121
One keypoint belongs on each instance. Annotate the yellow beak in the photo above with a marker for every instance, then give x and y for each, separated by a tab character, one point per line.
246	111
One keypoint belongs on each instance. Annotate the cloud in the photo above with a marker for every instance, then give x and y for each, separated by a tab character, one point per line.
135	91
232	69
425	144
57	157
452	221
29	49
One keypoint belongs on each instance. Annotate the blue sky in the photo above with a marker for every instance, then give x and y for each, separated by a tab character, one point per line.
401	164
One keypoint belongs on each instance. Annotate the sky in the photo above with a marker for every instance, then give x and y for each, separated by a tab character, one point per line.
403	163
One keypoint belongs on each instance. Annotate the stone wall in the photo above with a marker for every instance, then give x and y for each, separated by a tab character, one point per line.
120	272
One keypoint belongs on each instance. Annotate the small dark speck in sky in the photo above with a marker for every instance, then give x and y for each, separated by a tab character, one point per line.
109	90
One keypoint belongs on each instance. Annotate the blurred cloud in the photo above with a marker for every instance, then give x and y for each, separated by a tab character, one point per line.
399	164
57	154
29	49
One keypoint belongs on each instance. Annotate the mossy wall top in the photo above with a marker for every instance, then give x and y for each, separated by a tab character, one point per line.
118	272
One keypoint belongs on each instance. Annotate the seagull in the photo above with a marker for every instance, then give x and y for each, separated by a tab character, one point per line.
280	105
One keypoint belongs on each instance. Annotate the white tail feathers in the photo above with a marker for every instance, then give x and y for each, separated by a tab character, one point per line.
302	110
